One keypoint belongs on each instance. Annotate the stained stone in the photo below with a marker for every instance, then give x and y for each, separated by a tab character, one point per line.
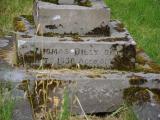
97	90
115	51
66	2
70	19
3	43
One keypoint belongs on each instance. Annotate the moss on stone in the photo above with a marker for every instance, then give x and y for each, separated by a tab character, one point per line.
136	95
30	58
113	39
101	30
156	94
124	61
51	1
94	76
120	27
49	34
76	38
41	95
145	70
154	66
29	18
19	25
86	3
137	80
140	60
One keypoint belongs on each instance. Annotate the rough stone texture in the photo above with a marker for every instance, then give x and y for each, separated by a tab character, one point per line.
115	51
3	43
22	110
67	19
66	2
148	111
97	90
7	50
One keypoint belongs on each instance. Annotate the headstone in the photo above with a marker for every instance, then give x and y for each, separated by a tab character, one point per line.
70	19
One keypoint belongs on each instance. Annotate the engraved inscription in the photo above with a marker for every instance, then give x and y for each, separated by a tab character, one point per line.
76	51
66	56
70	55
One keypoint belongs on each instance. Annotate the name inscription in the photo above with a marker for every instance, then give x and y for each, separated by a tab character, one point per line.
91	57
75	52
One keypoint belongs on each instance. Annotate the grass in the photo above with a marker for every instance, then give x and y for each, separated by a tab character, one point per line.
129	114
6	101
6	109
142	19
65	114
124	113
10	9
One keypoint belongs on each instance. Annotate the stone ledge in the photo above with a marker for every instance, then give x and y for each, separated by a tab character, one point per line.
116	51
96	89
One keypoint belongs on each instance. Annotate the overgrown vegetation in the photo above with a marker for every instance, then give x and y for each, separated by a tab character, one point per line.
142	19
10	9
51	1
51	107
6	101
86	3
125	112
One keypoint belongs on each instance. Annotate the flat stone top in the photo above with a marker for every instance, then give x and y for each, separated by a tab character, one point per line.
115	37
83	40
76	74
95	4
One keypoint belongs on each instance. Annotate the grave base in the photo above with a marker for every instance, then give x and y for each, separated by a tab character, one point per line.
116	51
98	91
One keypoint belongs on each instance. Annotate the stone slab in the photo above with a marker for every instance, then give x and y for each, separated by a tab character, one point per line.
98	90
116	51
67	19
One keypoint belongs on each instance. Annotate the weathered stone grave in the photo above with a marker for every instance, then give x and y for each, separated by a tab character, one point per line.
67	34
73	35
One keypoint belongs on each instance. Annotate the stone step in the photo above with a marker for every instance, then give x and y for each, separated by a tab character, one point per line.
97	90
70	19
115	51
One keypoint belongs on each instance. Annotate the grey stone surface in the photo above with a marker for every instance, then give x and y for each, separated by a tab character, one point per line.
66	19
22	110
7	50
3	43
97	90
66	2
147	111
115	51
